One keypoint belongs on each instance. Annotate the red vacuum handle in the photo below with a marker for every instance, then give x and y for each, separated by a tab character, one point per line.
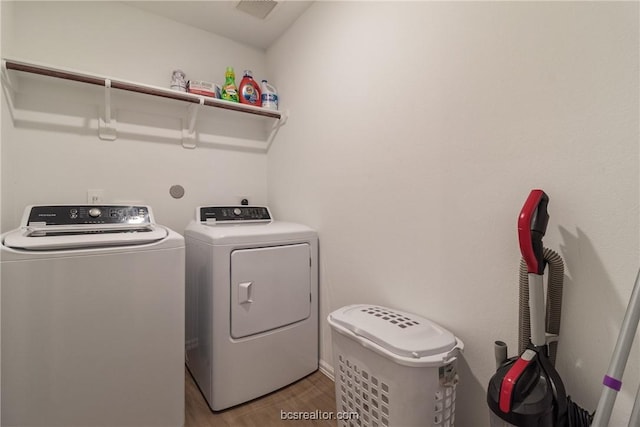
532	224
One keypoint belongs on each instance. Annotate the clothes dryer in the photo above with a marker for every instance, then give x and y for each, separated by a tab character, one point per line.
252	303
92	319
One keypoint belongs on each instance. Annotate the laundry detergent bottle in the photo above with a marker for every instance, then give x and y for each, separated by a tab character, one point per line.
229	89
269	96
249	90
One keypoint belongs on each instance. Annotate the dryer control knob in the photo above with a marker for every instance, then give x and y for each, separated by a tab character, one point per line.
94	212
237	211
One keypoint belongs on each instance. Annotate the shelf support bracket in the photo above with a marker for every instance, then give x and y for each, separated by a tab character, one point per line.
6	77
10	88
189	131
107	120
276	127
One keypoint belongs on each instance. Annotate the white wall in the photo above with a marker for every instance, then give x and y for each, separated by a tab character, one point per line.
50	149
3	39
416	132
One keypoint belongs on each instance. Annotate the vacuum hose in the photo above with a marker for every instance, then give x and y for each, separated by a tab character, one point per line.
554	302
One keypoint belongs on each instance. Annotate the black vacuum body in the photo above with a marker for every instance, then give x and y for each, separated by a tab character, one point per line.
526	391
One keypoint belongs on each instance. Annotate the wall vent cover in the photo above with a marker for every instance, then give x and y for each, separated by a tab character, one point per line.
257	8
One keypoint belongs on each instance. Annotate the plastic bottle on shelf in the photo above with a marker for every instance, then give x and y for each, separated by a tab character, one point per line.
249	90
229	89
179	81
269	96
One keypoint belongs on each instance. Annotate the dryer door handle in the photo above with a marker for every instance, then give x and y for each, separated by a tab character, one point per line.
244	292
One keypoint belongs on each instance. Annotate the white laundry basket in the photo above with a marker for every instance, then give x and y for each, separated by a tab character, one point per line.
393	369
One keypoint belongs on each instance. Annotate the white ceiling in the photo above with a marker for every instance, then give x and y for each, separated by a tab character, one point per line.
222	18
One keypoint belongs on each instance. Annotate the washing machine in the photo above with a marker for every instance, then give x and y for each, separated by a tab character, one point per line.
252	303
92	319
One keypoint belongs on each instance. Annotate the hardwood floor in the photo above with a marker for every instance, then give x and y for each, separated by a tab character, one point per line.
310	394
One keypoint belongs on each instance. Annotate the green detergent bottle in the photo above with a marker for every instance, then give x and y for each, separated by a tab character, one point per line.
229	89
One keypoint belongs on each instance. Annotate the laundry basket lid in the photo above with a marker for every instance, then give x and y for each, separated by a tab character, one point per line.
401	333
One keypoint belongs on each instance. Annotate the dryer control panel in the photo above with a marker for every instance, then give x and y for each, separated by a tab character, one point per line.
89	214
232	214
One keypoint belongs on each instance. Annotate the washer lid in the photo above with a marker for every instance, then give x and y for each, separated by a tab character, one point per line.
57	227
34	238
401	333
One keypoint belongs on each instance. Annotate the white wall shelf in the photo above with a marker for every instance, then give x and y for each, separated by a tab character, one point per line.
107	122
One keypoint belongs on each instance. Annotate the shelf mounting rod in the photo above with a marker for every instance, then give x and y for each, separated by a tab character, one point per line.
107	121
276	127
189	131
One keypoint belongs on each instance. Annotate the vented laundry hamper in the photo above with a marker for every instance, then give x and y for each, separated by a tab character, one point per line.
393	369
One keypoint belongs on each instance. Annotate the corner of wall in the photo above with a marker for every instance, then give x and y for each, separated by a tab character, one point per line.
327	369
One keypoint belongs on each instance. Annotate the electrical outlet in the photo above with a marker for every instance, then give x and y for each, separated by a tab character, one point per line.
95	197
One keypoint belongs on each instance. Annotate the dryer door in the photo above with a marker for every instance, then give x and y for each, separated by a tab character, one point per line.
270	288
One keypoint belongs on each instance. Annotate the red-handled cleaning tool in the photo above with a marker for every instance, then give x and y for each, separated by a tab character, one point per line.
532	225
527	391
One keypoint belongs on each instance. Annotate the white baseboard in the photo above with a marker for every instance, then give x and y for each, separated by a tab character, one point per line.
326	369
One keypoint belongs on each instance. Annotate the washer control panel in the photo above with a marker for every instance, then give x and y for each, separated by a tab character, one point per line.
89	214
227	214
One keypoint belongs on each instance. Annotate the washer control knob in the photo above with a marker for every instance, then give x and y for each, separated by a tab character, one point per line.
237	211
94	212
